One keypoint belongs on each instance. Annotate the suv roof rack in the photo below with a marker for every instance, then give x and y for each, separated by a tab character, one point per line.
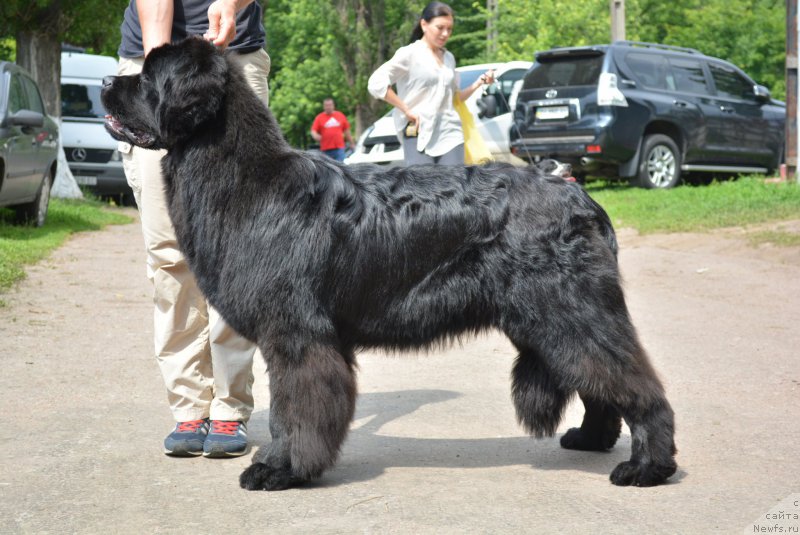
656	45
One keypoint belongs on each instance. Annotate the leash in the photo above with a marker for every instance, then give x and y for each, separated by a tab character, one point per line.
513	122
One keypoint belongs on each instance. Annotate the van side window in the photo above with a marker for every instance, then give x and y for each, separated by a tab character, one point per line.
689	76
651	71
730	83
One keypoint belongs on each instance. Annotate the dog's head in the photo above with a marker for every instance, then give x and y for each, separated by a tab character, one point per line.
181	87
554	167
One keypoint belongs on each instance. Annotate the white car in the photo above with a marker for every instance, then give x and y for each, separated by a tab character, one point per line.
91	152
379	143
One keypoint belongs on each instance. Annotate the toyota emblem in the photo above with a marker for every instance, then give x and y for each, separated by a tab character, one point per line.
551	93
79	154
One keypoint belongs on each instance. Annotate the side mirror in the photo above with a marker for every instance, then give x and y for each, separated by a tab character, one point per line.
487	106
762	93
26	118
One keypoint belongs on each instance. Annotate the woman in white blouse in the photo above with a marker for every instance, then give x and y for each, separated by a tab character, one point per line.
426	80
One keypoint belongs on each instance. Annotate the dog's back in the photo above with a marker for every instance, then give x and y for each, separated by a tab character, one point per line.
441	244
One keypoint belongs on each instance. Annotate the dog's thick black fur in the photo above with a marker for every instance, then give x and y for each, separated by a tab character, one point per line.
314	260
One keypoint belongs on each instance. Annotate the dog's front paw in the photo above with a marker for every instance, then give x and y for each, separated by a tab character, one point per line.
641	474
260	476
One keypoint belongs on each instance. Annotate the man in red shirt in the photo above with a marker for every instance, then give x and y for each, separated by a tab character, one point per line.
331	129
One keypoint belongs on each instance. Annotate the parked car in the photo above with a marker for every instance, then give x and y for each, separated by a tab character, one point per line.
379	142
646	112
28	146
91	152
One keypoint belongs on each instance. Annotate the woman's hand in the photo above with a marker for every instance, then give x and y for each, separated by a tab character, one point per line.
412	118
392	98
485	78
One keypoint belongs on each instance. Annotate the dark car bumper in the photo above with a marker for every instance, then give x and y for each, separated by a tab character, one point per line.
604	152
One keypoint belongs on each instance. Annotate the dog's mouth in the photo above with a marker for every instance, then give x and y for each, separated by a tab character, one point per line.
565	172
123	133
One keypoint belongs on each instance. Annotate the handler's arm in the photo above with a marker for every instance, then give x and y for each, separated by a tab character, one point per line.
155	17
222	20
485	78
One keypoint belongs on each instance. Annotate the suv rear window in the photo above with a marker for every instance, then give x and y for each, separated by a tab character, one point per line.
564	71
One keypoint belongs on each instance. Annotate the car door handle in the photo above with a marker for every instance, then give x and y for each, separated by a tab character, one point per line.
726	109
680	103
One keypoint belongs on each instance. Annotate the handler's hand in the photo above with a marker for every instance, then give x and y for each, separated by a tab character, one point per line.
221	22
412	118
487	77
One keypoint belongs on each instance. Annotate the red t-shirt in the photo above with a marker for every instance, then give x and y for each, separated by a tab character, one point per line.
332	128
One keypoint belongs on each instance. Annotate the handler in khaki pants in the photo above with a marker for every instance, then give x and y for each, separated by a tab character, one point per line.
207	367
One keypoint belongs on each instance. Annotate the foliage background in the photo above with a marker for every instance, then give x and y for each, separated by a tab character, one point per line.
322	49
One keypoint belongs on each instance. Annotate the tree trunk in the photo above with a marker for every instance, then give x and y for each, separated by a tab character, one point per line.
40	54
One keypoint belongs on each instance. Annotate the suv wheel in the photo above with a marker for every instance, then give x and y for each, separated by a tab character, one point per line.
660	164
35	212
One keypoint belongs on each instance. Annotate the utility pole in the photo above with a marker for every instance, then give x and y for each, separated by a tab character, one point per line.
618	20
790	150
491	29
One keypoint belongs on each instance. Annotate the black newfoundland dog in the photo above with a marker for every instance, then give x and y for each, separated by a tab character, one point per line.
314	260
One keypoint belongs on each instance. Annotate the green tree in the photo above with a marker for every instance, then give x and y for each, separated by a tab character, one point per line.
749	33
527	26
329	49
40	26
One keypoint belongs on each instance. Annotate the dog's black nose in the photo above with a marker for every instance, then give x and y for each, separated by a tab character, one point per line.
108	80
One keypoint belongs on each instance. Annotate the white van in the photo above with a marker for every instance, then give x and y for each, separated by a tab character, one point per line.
379	143
91	152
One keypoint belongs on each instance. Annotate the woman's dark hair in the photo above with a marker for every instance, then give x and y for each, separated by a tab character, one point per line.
431	11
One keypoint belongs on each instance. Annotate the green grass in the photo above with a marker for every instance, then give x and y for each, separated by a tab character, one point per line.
22	245
688	208
778	237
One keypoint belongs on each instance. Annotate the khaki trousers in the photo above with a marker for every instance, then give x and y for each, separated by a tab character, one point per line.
207	367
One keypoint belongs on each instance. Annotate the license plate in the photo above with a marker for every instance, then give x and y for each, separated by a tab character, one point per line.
549	113
86	180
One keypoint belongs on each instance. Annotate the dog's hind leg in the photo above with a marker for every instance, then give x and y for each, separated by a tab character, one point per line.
607	365
641	402
600	428
586	343
538	399
312	400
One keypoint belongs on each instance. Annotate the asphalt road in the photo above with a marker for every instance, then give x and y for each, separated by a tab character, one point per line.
434	447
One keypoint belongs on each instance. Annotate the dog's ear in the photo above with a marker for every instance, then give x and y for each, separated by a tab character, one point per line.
191	91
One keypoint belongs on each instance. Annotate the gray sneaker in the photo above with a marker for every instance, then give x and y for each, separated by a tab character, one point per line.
187	439
226	439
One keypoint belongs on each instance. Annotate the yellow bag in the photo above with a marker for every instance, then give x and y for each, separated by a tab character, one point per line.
475	149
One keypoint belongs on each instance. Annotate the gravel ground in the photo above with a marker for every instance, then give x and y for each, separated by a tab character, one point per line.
434	447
